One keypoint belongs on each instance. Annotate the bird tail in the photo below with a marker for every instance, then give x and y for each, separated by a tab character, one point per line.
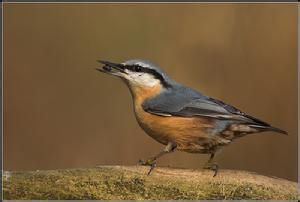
269	128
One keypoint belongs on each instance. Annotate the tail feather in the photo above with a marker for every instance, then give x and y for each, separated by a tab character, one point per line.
269	128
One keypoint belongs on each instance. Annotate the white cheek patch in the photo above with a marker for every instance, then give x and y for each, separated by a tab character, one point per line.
141	79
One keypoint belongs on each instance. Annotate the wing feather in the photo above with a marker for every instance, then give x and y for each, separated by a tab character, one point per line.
193	104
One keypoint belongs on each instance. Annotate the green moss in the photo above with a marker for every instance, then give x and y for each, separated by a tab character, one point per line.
133	183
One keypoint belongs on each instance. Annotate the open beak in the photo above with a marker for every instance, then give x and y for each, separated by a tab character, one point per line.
111	68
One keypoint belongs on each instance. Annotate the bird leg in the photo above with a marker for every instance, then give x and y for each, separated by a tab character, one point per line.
210	165
152	161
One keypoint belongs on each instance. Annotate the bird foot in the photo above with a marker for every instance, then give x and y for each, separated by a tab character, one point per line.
212	166
149	162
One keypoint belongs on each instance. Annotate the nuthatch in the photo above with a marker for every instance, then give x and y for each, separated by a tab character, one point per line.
180	117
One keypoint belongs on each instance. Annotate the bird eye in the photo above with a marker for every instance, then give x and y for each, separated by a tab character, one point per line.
137	68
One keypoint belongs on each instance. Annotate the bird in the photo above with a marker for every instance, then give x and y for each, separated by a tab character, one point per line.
180	117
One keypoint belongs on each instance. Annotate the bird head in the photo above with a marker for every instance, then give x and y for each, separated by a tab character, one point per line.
136	73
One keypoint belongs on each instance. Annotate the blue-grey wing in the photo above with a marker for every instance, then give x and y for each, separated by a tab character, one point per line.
189	103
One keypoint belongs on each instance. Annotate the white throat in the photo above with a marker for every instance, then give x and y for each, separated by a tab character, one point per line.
141	79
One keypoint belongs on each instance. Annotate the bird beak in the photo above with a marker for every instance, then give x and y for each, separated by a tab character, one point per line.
111	68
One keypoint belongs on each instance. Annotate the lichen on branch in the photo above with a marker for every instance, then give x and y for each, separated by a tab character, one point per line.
131	182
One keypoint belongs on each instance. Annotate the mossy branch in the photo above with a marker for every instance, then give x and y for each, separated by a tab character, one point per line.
131	182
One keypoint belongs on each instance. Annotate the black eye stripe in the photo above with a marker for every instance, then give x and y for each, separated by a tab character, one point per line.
138	68
156	74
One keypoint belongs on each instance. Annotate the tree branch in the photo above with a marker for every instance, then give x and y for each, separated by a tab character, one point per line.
131	182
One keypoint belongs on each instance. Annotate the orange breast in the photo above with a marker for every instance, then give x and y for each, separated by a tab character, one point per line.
184	131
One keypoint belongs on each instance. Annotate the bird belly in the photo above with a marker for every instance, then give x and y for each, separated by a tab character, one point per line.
191	134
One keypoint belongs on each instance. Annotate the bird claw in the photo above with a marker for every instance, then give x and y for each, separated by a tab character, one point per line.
149	162
152	166
212	166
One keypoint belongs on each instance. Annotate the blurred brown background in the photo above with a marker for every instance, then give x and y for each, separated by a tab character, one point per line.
61	113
